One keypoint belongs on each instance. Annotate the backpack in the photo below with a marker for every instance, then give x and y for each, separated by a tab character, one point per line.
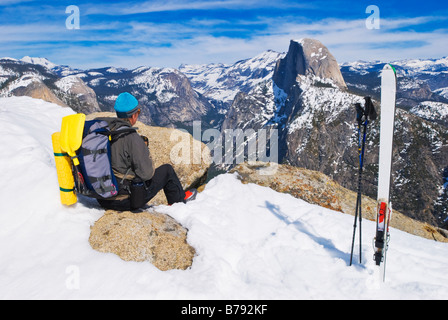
95	177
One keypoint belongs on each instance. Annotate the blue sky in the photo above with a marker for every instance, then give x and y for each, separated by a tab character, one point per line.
171	32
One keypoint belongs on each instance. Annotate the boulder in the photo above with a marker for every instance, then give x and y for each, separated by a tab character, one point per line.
144	236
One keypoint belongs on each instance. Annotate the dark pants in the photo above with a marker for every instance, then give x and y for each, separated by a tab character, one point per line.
164	178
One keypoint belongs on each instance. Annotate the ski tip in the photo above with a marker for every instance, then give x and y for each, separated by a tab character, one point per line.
388	66
393	68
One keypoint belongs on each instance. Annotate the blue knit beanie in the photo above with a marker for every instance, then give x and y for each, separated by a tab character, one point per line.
126	105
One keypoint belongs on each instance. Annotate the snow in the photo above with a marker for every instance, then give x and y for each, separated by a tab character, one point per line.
156	81
222	82
431	110
405	68
95	74
251	242
329	100
66	83
24	81
114	70
9	59
427	66
40	61
443	92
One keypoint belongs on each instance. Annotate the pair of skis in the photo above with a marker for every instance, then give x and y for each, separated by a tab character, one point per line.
384	208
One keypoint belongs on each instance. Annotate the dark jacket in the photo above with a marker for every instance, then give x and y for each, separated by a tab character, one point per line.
130	155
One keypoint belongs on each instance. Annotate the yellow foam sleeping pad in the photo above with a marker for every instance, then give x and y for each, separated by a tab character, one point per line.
72	129
65	145
64	172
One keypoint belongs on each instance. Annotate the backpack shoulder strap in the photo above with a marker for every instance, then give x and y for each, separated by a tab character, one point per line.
120	132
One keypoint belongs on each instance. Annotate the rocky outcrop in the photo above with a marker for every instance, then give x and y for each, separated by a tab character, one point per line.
317	188
307	57
146	236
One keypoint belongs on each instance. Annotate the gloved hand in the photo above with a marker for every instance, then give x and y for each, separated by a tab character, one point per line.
146	140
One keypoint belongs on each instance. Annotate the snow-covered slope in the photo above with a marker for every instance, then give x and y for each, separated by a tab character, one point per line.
434	111
251	242
40	61
424	66
410	67
419	80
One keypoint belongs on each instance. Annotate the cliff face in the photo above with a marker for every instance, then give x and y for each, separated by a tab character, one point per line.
75	92
307	57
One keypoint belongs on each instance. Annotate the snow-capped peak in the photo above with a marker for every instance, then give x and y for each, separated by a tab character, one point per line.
39	61
222	82
8	59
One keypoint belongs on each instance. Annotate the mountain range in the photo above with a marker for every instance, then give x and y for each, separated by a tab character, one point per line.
304	94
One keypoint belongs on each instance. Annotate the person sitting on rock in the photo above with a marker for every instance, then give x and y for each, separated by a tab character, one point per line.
133	166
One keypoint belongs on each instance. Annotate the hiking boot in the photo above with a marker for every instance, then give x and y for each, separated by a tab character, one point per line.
190	195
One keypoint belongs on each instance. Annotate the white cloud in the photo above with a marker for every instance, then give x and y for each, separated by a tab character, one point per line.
131	43
133	7
348	40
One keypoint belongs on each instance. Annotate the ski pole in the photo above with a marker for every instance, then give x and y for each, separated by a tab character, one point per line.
360	187
360	114
362	117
